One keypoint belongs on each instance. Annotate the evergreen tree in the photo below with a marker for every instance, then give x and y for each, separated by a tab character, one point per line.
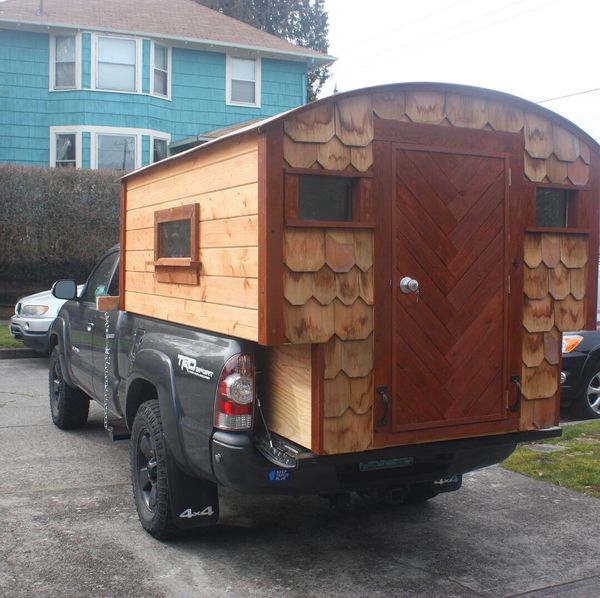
302	22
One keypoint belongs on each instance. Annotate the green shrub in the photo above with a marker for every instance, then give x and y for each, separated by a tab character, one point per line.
55	222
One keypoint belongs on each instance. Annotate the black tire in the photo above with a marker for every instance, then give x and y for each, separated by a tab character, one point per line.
69	406
149	473
420	493
588	404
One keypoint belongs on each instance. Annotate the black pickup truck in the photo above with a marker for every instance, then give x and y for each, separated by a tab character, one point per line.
191	403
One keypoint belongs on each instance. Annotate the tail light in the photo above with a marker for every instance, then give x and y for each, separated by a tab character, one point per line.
234	406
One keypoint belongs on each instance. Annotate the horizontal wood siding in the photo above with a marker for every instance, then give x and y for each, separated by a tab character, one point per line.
224	184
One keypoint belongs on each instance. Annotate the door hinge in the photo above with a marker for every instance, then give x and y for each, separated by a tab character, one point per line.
508	285
509	177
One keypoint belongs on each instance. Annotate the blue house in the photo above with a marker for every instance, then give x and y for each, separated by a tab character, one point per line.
116	83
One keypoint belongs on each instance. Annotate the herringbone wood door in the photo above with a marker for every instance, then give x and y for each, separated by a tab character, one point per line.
449	341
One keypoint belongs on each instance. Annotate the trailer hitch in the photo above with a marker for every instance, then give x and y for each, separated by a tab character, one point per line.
516	380
382	390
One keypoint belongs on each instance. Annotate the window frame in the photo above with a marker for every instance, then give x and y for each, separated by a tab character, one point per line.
153	68
153	139
54	133
95	147
178	270
257	80
52	61
577	208
94	63
363	209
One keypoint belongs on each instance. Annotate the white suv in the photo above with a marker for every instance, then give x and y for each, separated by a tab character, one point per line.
33	316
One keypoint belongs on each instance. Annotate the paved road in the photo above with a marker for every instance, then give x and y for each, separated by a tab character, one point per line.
68	528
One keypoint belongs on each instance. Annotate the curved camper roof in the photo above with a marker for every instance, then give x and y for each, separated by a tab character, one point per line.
432	103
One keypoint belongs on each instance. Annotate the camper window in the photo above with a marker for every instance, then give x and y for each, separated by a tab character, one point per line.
176	236
328	200
551	207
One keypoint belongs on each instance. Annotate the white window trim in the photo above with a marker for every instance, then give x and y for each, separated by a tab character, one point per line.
66	130
257	81
138	63
52	61
169	71
153	138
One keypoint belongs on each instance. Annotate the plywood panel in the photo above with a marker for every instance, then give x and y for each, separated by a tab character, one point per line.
333	155
569	314
573	250
425	106
229	261
210	156
565	144
466	111
504	117
235	321
241	292
232	232
309	323
314	126
299	155
538	136
390	105
348	433
535	282
354	121
304	249
237	171
538	315
540	382
288	397
228	203
533	349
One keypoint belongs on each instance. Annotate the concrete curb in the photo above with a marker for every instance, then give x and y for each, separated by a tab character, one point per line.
19	353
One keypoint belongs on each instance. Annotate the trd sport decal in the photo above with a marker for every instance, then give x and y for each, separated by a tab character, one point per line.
188	365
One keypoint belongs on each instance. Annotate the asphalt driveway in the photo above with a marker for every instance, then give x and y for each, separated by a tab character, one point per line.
68	527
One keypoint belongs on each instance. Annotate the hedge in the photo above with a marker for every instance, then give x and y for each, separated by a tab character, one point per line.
55	222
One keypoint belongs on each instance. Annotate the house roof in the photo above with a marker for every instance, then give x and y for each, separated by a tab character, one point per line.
183	20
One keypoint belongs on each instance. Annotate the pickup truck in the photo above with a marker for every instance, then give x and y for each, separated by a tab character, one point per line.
191	403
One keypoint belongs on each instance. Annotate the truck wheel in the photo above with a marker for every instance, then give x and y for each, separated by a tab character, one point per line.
69	406
588	405
149	472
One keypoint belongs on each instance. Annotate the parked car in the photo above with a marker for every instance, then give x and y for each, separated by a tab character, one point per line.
580	376
33	317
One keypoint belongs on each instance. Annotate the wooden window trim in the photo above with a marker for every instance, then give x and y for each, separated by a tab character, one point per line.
363	212
180	270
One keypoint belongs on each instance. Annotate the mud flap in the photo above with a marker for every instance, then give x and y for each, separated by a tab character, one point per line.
194	501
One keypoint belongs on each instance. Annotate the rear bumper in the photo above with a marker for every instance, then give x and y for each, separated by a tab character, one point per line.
237	464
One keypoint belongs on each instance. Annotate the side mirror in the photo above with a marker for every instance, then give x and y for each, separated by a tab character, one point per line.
65	289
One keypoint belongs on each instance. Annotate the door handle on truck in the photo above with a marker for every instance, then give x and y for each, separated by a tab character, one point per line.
382	390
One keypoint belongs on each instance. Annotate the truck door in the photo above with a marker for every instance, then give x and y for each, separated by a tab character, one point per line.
84	321
449	288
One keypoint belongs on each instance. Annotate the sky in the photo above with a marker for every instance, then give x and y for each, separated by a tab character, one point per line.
536	49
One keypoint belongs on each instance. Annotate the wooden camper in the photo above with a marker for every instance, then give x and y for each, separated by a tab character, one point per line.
488	201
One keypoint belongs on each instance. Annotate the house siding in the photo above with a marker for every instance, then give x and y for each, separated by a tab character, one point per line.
197	105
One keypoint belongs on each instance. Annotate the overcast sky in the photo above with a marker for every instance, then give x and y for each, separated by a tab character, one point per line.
536	49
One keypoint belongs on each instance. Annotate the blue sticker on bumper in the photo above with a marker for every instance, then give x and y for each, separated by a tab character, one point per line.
279	475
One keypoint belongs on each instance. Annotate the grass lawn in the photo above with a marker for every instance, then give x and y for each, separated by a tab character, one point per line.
6	340
576	465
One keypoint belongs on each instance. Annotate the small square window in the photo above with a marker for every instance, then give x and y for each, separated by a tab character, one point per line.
325	198
176	244
243	81
551	207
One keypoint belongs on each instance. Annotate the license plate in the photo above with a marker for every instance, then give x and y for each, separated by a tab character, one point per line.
386	464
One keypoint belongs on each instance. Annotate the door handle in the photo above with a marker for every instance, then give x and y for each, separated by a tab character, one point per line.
382	390
90	326
409	285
